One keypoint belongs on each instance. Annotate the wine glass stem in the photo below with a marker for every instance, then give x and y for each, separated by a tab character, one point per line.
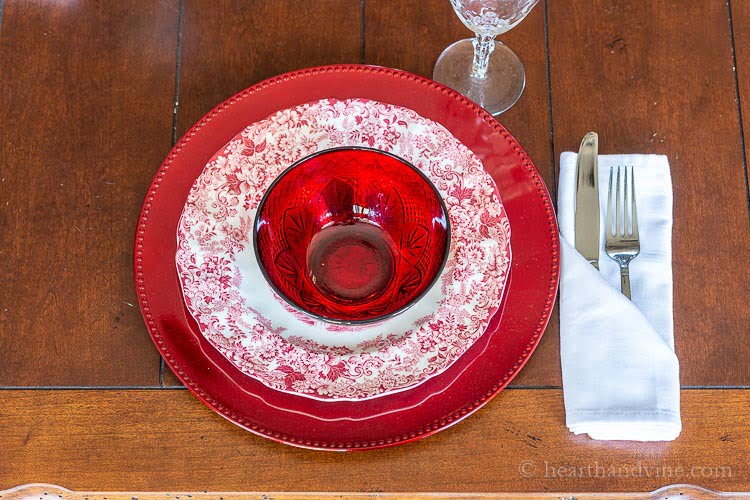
483	47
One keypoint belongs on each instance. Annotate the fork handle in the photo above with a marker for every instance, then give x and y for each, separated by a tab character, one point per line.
625	281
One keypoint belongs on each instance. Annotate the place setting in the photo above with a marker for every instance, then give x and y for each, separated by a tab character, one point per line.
327	258
351	257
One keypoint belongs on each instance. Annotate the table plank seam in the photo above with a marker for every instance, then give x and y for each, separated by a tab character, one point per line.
738	101
524	387
362	31
175	109
551	127
715	387
553	191
177	72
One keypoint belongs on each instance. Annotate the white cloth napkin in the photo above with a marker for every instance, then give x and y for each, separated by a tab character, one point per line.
620	372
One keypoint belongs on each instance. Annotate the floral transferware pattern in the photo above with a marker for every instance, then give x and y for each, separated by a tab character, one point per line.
235	308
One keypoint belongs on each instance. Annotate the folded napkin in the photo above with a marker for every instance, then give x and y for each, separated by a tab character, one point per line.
620	372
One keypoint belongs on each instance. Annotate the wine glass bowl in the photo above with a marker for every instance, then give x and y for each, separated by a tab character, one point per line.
484	69
351	235
493	17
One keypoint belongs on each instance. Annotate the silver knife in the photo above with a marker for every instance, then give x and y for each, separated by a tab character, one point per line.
587	200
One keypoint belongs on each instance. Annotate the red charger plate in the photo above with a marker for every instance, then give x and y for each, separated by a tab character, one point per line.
439	402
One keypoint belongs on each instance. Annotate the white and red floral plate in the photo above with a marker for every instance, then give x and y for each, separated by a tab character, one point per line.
242	317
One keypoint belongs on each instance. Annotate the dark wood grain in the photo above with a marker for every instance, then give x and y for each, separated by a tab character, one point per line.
411	36
228	46
167	440
86	97
649	81
86	102
740	11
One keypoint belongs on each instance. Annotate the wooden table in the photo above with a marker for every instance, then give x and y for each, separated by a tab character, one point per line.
93	93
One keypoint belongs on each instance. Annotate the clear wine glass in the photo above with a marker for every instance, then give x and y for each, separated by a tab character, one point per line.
482	68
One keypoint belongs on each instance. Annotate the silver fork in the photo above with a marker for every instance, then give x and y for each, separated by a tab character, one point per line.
622	243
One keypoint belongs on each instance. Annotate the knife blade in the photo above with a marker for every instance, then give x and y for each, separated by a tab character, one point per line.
587	199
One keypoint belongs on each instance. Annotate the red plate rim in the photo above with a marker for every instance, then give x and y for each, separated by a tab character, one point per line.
195	386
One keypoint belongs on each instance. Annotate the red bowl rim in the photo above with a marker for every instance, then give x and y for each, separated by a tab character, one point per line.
337	321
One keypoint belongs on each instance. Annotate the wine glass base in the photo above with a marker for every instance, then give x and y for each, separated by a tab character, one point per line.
497	92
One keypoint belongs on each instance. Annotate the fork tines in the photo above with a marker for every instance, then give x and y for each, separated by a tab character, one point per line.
624	197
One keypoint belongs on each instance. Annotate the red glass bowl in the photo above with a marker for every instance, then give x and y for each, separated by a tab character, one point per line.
351	235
